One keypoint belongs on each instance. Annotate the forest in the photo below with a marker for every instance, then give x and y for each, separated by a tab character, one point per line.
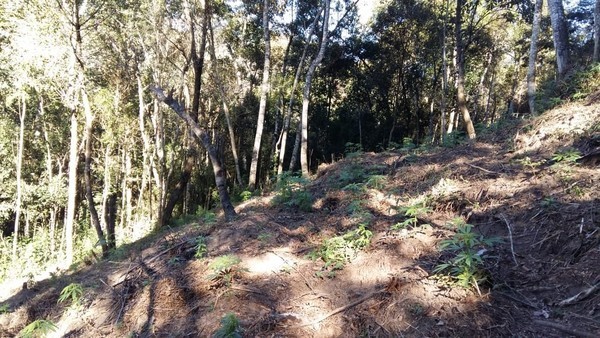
120	119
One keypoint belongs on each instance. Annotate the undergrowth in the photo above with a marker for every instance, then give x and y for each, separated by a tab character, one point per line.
292	192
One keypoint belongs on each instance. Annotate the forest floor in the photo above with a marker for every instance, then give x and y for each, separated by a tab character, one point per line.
516	183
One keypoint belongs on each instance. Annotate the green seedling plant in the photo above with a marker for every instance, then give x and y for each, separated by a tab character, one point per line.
376	181
412	214
225	269
339	250
72	292
466	265
245	195
568	156
4	308
201	247
38	328
230	327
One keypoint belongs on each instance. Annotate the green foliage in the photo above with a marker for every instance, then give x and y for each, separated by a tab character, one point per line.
568	156
412	214
201	248
225	269
352	149
351	174
206	216
4	308
466	264
339	250
245	195
408	144
230	327
548	202
528	162
72	292
38	328
355	188
292	192
376	181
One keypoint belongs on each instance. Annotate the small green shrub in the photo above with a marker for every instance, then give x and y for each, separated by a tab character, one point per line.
376	181
412	214
466	265
38	328
230	327
292	191
339	250
225	269
245	195
72	292
4	308
353	149
206	216
201	248
568	156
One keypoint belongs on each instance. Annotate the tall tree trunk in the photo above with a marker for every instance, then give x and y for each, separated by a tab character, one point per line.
205	139
560	36
22	114
223	95
95	220
461	99
288	114
264	92
306	93
444	77
535	31
71	191
596	57
296	150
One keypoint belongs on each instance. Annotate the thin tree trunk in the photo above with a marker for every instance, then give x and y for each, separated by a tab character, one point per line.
95	220
204	137
444	77
306	93
296	150
535	31
288	115
22	114
71	191
596	57
560	36
264	92
461	99
223	95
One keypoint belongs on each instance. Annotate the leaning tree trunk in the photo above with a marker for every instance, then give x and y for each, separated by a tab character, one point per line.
205	139
560	36
71	191
306	93
461	99
264	92
535	31
89	120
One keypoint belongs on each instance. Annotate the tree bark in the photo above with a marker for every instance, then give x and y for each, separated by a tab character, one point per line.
22	114
596	57
264	92
306	93
288	114
223	95
95	220
205	139
560	36
461	99
71	191
535	31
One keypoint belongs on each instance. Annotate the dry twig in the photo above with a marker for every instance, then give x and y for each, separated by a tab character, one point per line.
580	296
512	246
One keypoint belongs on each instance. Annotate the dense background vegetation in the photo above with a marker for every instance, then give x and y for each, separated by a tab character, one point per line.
91	156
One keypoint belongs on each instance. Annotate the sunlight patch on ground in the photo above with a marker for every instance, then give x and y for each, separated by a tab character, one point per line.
266	263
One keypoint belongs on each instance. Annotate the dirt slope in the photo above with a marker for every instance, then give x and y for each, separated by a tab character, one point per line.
515	183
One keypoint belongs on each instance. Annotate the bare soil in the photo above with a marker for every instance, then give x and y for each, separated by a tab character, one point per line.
543	279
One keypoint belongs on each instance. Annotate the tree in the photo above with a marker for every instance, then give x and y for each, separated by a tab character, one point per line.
597	32
535	31
560	36
306	91
461	99
264	92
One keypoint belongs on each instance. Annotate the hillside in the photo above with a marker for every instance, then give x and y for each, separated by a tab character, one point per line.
360	259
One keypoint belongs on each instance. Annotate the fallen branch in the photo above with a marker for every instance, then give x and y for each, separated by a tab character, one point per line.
343	308
512	246
565	329
580	296
482	169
